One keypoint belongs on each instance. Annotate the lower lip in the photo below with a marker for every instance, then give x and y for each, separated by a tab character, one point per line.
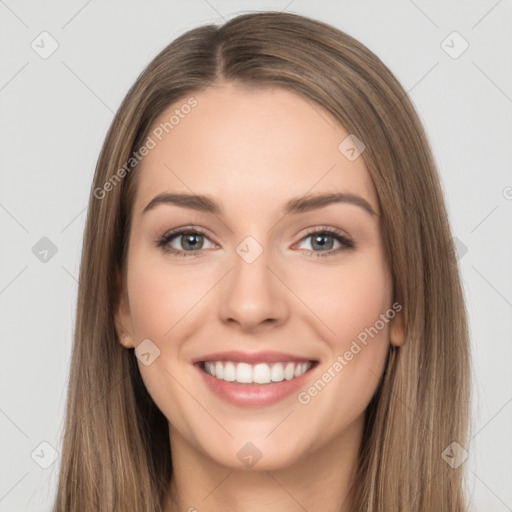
254	395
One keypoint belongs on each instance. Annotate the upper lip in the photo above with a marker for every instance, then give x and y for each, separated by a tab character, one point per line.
237	356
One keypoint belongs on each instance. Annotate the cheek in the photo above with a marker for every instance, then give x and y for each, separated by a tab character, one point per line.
355	300
364	297
357	310
160	296
163	304
348	299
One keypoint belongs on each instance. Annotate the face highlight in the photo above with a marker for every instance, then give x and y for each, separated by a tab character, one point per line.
281	253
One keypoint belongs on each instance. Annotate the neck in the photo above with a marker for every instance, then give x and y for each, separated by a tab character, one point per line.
319	480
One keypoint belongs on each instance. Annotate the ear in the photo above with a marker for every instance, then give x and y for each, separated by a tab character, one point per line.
122	317
396	335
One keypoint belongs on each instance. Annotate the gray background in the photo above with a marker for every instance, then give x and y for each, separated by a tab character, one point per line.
55	112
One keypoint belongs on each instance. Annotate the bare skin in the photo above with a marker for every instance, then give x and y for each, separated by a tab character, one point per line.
252	151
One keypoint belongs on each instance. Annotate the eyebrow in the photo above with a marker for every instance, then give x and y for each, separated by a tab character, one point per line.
293	206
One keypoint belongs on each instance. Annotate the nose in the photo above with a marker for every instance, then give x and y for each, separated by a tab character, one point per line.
253	296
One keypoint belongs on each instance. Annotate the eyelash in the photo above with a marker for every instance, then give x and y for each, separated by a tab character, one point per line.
346	242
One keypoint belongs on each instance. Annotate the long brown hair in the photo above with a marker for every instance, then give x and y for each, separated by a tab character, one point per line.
116	454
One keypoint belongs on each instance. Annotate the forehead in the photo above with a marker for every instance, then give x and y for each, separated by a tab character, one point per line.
245	145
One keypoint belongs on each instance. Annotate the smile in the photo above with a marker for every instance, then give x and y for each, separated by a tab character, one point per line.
259	379
261	373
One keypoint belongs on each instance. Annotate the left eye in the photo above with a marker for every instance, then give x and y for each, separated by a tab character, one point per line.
322	243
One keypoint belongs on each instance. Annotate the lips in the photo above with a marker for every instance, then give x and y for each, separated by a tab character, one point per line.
254	379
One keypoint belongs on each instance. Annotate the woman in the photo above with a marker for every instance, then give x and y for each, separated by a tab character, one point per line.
270	314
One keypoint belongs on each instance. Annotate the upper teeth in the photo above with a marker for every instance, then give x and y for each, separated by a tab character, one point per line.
260	373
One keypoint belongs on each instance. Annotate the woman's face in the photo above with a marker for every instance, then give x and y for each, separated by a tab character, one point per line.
260	285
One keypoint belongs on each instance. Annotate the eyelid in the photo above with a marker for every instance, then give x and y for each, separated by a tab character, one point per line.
185	229
328	229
